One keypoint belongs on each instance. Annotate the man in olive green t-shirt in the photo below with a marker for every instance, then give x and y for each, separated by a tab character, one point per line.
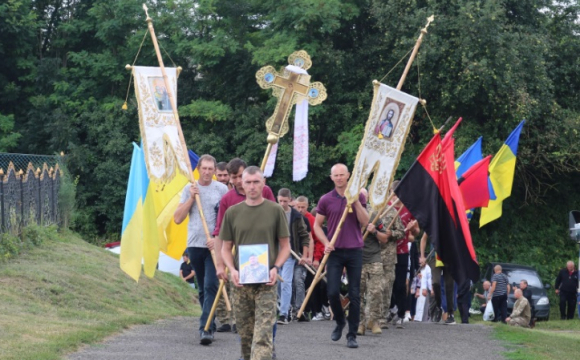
255	221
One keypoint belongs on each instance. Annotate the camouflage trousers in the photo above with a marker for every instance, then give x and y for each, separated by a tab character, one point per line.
222	314
519	322
371	291
388	280
255	310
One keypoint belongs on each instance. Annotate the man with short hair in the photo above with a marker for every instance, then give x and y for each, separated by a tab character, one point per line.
199	248
222	174
521	313
299	243
567	287
186	272
345	253
486	286
500	287
527	292
233	197
255	221
315	254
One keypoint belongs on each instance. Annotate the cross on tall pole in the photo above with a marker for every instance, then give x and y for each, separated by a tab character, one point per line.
290	88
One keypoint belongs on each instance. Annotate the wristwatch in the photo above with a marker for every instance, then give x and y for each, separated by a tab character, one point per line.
278	268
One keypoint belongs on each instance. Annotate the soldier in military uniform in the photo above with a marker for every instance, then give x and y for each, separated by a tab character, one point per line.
254	272
389	260
522	312
255	221
371	284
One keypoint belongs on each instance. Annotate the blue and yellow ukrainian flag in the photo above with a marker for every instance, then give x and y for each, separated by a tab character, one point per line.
148	225
463	163
501	176
132	231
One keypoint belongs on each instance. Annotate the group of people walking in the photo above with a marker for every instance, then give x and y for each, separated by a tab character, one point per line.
366	277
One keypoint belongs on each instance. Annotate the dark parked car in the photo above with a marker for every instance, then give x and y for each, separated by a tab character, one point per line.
515	274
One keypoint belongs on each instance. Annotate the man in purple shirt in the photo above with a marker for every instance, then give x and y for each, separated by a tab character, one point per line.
346	252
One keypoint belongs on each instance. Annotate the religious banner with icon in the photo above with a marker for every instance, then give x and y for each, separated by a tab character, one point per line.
291	86
253	264
384	138
162	144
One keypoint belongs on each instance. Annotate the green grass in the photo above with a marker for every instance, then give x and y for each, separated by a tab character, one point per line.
553	339
66	293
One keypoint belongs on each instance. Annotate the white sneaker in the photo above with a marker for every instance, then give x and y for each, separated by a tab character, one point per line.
318	317
326	311
407	317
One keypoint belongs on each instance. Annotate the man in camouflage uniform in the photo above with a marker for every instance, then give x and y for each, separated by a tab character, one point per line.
255	221
522	312
371	284
389	259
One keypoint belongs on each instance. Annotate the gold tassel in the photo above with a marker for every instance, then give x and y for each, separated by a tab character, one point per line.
124	107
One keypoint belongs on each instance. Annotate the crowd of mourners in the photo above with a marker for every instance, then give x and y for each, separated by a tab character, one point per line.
383	273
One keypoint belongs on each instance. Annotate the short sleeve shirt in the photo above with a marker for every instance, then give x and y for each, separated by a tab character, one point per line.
250	225
332	205
501	286
210	197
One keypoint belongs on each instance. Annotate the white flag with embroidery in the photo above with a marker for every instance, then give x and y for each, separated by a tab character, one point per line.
160	130
384	139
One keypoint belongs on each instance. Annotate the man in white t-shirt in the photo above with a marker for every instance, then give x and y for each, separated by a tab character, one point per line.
199	247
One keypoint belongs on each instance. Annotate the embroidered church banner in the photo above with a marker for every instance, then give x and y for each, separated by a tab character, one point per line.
160	130
384	139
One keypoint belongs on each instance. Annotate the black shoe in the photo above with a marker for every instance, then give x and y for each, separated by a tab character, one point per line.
206	338
450	320
234	329
337	333
351	342
282	320
303	318
224	328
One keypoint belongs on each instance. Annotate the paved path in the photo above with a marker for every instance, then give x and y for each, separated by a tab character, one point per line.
175	339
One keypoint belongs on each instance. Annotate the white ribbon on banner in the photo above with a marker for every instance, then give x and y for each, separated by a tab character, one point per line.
300	163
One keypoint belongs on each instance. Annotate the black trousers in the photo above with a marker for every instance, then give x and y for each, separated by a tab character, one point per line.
567	302
339	259
499	307
400	286
463	305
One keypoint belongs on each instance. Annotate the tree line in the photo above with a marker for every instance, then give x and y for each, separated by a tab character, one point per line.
495	62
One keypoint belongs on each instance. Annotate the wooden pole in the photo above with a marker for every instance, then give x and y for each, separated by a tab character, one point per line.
380	215
414	53
310	270
171	97
266	155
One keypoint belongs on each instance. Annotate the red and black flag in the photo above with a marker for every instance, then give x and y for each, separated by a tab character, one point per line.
431	193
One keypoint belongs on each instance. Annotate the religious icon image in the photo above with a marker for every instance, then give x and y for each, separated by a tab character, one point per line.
253	260
388	119
159	94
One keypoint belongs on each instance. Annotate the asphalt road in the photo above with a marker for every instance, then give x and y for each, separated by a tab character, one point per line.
176	339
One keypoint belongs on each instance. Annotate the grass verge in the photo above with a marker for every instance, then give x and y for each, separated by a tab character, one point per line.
553	339
66	293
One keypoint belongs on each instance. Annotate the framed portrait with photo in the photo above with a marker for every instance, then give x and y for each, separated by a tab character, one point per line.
254	264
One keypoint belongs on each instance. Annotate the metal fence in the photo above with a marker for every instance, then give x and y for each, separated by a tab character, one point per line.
29	186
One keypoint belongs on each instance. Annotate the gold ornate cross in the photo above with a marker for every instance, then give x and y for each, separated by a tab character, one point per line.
290	88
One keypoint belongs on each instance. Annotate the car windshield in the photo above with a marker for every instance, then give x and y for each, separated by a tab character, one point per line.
515	276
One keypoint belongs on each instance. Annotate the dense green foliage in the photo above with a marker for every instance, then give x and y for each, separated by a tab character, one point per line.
493	62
